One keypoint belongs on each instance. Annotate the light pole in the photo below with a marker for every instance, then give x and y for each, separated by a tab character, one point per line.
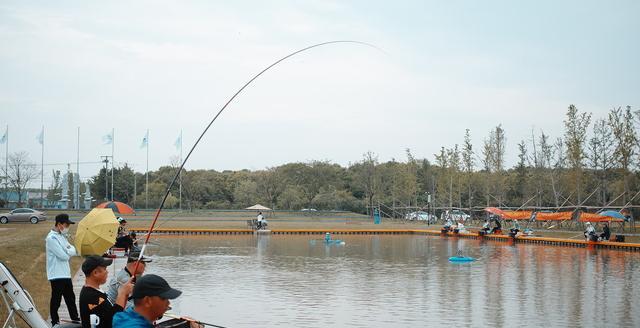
428	208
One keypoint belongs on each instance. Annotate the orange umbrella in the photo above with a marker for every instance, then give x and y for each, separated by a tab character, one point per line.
117	207
591	217
516	215
553	216
495	211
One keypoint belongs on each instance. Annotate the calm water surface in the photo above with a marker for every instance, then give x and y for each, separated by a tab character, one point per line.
396	281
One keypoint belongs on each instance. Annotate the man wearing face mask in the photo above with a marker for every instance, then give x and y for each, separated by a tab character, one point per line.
59	251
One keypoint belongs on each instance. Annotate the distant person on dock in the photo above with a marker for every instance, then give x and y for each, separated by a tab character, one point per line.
486	226
134	241
123	240
606	233
124	275
262	223
460	228
95	301
151	298
589	231
498	228
515	229
448	225
59	251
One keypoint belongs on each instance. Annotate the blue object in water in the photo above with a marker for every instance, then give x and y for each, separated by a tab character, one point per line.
376	217
461	259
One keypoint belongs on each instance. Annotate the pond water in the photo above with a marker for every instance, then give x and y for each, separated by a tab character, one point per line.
396	281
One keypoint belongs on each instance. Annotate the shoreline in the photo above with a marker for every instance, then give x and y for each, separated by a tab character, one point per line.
24	242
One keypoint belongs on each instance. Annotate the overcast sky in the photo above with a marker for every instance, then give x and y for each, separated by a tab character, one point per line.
169	66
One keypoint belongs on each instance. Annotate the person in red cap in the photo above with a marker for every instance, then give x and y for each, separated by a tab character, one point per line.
59	251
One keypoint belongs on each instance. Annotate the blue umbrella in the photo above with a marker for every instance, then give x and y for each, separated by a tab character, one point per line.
613	214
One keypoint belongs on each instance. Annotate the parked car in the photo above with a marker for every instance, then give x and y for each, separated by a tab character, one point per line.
23	215
421	216
456	215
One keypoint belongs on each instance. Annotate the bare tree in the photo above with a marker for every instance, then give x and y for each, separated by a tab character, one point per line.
19	172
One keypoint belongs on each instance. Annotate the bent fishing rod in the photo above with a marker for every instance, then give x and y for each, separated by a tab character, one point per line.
174	316
175	177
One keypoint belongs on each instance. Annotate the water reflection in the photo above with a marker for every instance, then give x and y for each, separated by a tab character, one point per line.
396	281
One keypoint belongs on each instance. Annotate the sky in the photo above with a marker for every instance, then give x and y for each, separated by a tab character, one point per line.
438	68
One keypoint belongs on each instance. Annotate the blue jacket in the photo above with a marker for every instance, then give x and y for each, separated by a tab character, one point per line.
59	251
130	319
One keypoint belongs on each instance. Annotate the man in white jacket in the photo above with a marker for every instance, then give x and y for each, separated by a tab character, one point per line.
59	251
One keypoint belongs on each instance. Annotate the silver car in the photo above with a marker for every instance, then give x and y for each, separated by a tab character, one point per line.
23	215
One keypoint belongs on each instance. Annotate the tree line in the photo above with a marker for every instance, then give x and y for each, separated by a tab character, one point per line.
593	163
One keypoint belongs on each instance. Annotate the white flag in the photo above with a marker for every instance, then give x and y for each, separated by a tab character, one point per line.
178	142
40	137
107	139
145	140
4	137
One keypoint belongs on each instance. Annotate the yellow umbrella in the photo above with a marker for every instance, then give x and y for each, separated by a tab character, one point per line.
96	232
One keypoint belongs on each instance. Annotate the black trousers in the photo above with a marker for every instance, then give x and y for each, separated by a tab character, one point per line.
60	288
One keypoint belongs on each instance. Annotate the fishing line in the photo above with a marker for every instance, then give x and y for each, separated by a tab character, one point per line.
153	223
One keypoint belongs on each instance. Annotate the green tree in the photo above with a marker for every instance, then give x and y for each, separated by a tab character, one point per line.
367	177
246	194
625	141
575	136
292	198
599	156
468	164
269	186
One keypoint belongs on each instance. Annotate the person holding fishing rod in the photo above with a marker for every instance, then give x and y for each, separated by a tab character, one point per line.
151	298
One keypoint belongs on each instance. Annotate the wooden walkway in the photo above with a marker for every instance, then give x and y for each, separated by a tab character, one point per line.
472	235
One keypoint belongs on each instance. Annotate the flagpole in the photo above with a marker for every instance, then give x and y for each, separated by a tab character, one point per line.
42	170
146	186
113	162
77	198
180	173
6	167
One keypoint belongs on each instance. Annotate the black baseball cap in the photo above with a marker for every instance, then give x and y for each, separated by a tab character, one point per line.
133	256
92	262
153	285
63	218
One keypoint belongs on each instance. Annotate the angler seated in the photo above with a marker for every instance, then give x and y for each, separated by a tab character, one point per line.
447	226
485	228
590	233
513	232
497	229
460	228
606	233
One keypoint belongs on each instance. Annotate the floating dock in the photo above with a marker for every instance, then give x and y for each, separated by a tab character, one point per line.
470	235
